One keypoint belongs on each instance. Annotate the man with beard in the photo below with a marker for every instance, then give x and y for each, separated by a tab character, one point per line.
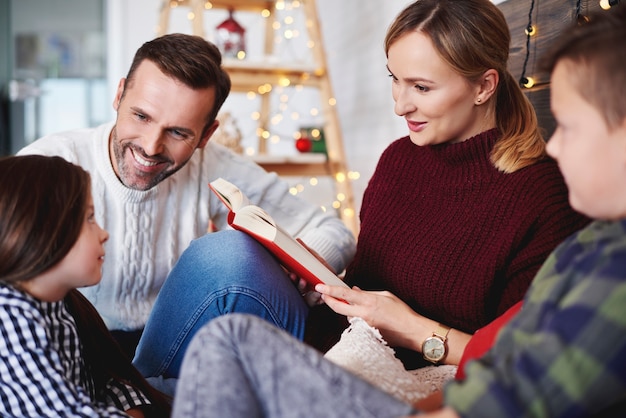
150	171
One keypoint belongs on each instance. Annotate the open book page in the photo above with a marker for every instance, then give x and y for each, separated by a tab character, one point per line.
230	194
259	224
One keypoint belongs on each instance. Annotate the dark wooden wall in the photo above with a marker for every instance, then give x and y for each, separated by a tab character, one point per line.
549	17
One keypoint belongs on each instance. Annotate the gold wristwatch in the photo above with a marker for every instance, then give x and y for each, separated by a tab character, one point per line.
435	347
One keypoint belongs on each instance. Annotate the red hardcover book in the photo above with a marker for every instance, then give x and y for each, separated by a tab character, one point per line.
257	223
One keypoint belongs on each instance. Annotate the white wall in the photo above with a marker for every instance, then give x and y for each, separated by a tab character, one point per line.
354	32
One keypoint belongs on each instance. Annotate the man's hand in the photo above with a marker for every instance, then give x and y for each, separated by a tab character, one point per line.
311	297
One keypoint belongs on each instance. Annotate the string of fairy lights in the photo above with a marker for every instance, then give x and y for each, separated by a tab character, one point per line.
530	30
286	32
291	98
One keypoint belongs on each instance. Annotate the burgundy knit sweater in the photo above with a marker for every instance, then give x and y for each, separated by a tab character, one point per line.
452	236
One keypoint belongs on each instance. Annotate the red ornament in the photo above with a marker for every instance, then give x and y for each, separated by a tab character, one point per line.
230	37
304	144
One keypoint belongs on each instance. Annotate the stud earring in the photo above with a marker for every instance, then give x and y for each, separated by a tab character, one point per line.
478	100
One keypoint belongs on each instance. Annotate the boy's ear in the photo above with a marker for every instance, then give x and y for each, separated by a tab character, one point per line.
623	124
621	131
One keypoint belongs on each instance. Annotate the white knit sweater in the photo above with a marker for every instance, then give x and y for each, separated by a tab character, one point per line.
150	229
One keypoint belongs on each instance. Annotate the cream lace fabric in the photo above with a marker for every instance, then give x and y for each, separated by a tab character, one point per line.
364	352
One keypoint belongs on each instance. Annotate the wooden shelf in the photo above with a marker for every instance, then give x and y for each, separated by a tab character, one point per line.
246	5
297	165
249	75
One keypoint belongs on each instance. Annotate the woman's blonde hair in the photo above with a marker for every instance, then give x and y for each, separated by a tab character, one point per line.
472	36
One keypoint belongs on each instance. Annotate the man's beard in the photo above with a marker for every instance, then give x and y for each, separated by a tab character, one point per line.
126	173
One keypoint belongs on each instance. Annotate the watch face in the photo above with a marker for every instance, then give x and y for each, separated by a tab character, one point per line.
434	349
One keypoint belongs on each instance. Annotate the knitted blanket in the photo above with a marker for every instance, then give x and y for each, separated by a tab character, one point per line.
363	351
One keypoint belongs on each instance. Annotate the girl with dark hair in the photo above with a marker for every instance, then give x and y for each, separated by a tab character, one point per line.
56	356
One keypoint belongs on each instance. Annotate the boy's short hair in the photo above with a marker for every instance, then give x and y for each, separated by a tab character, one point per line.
596	56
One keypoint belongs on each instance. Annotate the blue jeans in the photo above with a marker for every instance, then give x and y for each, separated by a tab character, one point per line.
240	366
220	273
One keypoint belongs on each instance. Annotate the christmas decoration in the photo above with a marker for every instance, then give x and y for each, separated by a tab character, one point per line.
311	139
228	133
304	144
230	37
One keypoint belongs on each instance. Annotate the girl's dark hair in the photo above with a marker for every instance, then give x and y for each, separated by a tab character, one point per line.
472	36
43	202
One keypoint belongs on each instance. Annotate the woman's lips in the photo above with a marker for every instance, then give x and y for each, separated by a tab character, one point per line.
416	126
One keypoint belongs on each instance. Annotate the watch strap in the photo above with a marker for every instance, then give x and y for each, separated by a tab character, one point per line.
442	332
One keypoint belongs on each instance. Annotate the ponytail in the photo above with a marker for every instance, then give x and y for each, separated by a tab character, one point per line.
521	143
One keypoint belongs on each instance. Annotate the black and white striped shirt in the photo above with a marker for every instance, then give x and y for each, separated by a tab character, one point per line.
42	371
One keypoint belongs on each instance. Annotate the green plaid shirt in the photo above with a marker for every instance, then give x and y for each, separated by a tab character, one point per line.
564	354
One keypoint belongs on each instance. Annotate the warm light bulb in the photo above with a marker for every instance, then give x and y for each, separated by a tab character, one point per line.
604	4
528	82
348	213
